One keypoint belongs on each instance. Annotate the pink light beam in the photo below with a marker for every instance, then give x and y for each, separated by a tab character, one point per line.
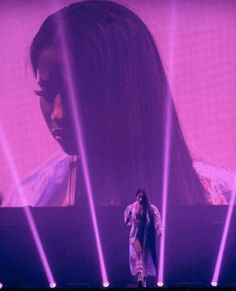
26	209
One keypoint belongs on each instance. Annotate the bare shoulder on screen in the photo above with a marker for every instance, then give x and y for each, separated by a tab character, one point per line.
39	182
217	181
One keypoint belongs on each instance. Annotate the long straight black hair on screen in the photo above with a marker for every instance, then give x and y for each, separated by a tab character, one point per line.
123	96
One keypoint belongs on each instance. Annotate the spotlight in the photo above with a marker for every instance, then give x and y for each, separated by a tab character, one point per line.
214	283
105	284
160	284
52	285
1	285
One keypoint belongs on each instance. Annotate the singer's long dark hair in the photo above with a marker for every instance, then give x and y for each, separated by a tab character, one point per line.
123	96
146	206
148	237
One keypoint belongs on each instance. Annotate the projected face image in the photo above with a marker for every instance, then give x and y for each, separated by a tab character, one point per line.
54	99
101	55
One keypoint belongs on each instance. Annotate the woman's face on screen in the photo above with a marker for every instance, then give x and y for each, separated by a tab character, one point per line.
54	98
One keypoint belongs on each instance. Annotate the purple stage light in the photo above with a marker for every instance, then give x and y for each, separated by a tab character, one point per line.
168	128
105	284
220	255
26	209
1	285
167	142
214	283
160	284
52	285
165	190
73	96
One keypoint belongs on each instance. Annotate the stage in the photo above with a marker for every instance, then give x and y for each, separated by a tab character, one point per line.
192	241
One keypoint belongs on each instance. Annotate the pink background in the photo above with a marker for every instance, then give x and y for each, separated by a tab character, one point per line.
197	43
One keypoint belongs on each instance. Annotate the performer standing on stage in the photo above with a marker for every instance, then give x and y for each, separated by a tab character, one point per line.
145	221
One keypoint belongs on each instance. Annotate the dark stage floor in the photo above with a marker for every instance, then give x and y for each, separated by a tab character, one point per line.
192	242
